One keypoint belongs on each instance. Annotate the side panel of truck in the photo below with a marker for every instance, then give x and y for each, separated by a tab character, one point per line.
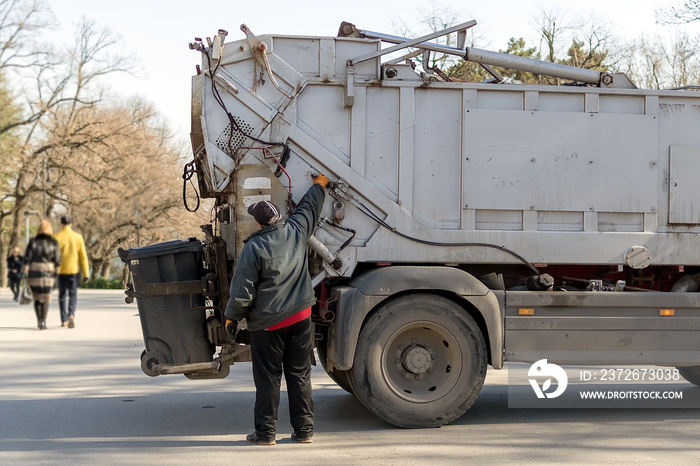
603	328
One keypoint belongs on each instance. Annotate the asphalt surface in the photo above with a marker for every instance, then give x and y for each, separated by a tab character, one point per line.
78	396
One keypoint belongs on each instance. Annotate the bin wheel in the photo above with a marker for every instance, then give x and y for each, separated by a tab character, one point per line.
149	361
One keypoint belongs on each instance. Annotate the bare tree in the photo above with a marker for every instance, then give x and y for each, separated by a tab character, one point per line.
550	28
624	57
433	17
20	20
682	59
587	42
650	59
686	12
663	62
9	140
65	149
589	46
131	194
63	88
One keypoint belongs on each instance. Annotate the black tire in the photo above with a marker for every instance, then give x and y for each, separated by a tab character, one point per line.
691	374
420	362
341	378
688	283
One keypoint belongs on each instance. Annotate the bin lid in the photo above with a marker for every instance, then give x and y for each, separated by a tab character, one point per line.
161	249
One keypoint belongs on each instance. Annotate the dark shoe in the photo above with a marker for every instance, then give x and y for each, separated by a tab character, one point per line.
64	324
71	322
42	325
305	439
253	438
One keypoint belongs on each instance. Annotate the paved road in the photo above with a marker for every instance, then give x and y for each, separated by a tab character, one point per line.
79	397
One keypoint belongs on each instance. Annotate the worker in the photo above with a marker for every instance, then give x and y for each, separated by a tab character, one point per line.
74	261
271	289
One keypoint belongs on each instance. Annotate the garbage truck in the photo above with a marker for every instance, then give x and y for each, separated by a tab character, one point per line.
468	224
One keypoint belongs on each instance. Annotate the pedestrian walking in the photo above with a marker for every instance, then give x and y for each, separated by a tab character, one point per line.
41	260
74	263
14	271
271	289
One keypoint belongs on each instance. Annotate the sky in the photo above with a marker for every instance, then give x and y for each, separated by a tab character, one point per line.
157	32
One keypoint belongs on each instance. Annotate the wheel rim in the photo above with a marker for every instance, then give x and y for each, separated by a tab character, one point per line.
421	362
149	361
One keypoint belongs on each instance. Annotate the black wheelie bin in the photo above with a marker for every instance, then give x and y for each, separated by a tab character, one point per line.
166	281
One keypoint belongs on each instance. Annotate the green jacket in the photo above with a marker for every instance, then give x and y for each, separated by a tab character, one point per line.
271	281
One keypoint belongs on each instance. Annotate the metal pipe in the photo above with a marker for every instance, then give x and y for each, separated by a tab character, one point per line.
424	45
215	365
324	252
169	369
515	62
415	42
504	60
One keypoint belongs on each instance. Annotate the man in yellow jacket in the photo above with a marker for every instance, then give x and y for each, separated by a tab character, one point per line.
73	262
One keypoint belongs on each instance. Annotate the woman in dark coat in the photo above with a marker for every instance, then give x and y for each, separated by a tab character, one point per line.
41	261
14	271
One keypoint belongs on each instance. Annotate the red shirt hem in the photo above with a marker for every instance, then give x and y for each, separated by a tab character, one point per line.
298	317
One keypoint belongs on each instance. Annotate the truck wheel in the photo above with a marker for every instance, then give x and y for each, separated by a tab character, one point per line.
420	362
341	378
691	374
688	283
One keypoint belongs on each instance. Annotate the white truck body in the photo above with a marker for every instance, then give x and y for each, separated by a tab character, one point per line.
552	171
445	194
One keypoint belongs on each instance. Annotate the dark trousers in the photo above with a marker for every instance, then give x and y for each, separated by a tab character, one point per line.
288	351
14	285
68	294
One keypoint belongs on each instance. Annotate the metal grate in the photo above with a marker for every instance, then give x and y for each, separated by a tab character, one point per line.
232	138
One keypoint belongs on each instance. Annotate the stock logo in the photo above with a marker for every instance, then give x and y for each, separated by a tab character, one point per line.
542	369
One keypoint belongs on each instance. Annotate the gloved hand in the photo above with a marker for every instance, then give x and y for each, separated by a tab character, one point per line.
321	179
85	279
231	327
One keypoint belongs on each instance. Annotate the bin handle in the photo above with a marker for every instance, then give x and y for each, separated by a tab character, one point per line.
162	289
